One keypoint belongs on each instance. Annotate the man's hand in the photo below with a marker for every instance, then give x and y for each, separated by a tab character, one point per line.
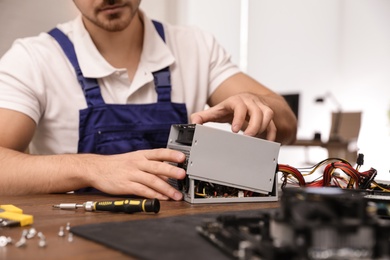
142	173
245	112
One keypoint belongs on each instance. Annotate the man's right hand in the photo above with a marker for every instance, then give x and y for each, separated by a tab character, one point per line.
143	173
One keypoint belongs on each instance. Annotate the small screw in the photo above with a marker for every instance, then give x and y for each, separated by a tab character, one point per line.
61	233
31	233
22	241
70	237
67	226
42	240
5	241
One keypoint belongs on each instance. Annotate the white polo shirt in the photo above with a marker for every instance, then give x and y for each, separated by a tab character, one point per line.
37	79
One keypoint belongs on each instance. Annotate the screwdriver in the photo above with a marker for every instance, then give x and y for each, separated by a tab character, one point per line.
126	206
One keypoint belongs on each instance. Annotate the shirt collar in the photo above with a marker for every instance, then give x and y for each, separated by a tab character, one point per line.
155	53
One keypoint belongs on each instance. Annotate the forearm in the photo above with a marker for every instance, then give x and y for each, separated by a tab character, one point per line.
284	118
32	174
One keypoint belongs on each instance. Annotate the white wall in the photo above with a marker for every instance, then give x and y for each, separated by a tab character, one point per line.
365	74
294	46
21	18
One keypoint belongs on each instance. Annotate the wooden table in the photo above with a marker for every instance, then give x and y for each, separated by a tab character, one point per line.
49	221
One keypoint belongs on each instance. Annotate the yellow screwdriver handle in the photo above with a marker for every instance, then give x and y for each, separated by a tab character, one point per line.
129	206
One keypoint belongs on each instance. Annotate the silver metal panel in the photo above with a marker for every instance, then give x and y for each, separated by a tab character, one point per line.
233	160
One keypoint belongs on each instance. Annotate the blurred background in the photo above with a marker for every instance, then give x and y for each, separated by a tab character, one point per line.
322	48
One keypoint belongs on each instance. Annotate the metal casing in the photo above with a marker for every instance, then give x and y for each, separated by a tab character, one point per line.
229	159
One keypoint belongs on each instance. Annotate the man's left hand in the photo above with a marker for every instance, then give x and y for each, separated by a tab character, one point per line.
245	111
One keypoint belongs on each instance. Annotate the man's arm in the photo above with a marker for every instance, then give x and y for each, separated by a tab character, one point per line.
251	107
141	173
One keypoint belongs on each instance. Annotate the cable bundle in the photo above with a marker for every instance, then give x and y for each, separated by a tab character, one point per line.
336	172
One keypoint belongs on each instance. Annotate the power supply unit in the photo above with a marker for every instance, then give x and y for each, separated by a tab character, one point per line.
223	166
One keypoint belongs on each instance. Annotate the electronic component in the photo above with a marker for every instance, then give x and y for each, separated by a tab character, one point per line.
223	166
126	206
312	223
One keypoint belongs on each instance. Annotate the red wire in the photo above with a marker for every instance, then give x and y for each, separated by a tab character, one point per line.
328	177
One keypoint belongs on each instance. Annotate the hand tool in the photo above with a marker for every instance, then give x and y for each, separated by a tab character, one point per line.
126	206
13	216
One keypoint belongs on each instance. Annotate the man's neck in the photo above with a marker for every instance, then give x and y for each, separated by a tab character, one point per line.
121	49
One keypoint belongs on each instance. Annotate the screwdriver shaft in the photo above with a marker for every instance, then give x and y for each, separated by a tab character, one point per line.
68	206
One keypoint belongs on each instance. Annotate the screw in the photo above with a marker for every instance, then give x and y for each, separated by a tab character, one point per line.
61	233
5	241
22	241
31	233
67	226
70	237
42	240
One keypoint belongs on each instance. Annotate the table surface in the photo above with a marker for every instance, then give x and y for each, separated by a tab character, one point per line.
49	221
312	142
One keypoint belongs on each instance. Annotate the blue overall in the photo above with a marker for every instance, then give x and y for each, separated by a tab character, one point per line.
114	128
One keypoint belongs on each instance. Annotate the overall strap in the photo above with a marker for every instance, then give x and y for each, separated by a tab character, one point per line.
90	86
162	78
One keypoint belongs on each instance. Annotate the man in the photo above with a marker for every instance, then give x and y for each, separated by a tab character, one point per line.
87	98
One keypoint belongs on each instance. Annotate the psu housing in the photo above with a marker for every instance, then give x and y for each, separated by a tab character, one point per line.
223	166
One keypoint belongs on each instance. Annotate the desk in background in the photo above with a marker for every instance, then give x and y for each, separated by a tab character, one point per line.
48	221
336	149
345	129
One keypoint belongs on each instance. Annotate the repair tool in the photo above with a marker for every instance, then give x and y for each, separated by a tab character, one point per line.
13	216
127	206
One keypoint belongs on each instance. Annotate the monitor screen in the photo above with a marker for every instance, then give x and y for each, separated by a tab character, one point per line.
293	101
